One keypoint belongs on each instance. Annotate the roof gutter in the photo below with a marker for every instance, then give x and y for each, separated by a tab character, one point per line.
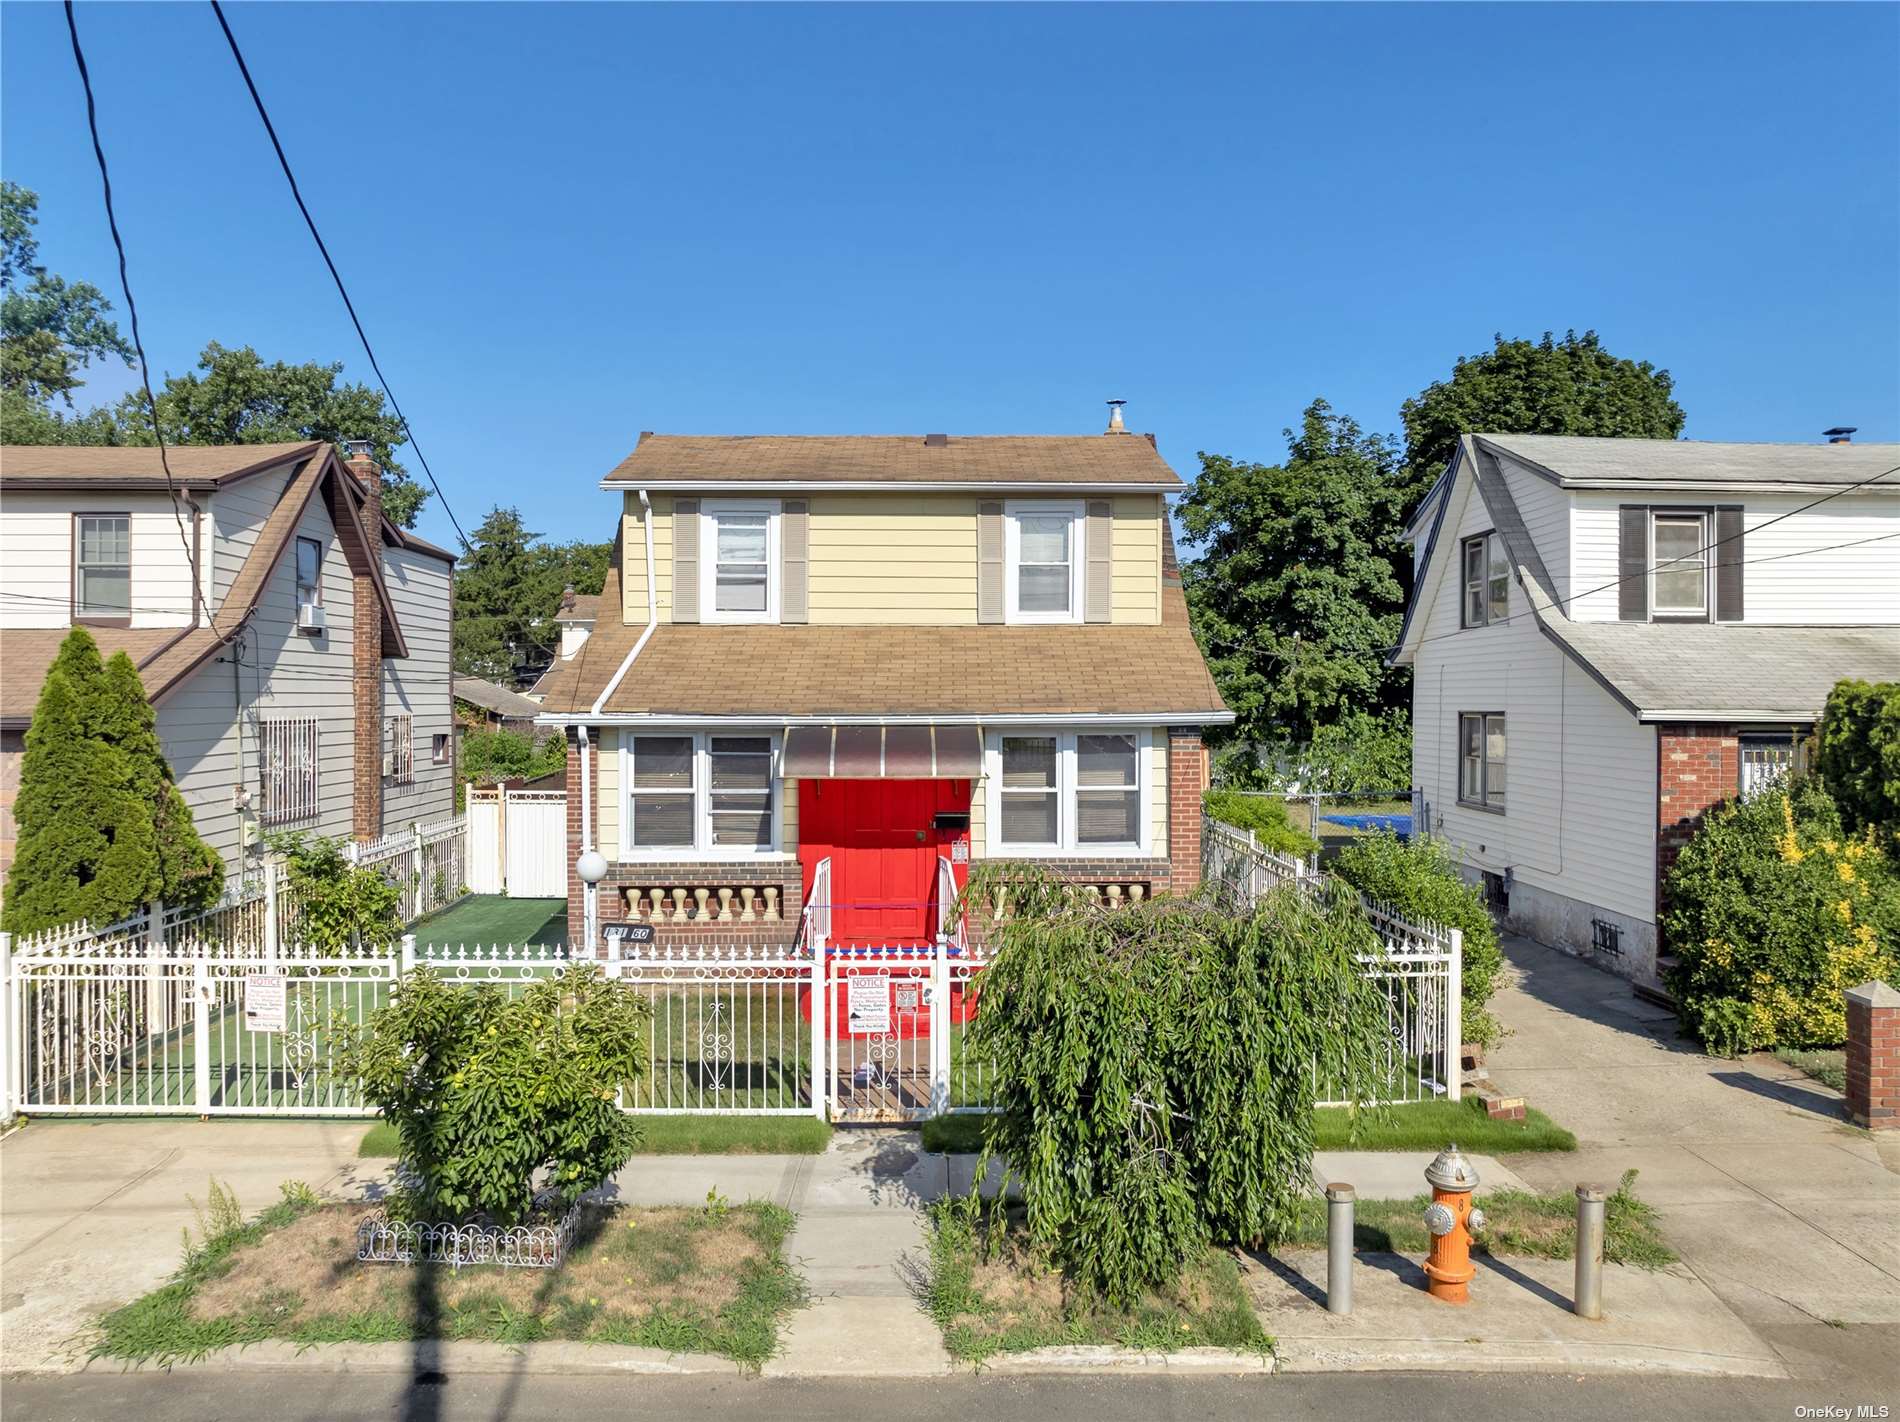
884	486
653	611
923	718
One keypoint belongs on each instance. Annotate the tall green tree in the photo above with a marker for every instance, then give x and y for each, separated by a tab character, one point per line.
235	397
85	847
1298	589
1568	387
50	328
508	590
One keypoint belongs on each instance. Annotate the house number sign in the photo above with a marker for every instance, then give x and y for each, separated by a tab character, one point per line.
630	932
263	1002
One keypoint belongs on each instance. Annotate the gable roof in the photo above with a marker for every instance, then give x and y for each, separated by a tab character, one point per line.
1082	461
193	466
1574	462
1661	671
165	656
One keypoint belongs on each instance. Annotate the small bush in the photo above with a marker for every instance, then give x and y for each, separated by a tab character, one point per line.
1857	756
1773	911
1265	815
339	905
487	1092
1419	879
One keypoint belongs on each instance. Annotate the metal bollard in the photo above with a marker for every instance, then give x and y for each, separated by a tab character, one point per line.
1588	1302
1339	1206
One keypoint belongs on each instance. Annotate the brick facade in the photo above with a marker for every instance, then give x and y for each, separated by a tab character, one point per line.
1187	779
366	667
1697	768
1873	1056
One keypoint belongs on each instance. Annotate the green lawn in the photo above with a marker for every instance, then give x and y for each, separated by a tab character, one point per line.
1827	1065
493	918
686	1135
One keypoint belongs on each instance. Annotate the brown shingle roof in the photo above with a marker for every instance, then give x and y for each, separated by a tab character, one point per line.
586	608
196	466
1082	460
700	670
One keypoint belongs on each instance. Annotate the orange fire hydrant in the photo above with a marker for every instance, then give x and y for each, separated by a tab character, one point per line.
1451	1221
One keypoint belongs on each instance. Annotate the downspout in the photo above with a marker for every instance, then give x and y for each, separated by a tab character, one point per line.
590	892
653	608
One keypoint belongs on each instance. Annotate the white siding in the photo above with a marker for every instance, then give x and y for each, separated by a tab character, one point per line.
36	556
419	686
1545	509
1580	817
1842	586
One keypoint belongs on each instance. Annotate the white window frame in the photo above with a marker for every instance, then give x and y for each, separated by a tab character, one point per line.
1067	846
1704	555
291	747
399	748
702	848
1013	512
81	614
709	511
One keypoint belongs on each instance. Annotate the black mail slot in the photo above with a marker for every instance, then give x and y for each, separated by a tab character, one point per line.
950	820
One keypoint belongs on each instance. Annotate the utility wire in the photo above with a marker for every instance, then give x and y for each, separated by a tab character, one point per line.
132	310
335	276
1563	603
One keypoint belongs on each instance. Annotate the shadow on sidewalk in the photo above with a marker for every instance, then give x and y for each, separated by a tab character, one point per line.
1592	994
1807	1098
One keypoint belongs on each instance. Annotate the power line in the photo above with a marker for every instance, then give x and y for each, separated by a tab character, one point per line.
1563	604
132	311
335	276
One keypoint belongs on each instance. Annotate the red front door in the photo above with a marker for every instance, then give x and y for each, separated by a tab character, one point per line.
883	847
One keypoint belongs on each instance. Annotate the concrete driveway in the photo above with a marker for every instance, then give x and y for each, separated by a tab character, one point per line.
1788	1213
74	1194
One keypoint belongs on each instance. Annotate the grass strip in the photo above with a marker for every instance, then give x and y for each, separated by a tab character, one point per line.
685	1135
1516	1222
1827	1065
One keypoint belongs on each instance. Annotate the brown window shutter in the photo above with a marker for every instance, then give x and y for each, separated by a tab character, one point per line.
989	561
686	560
1632	563
1728	563
1097	589
795	560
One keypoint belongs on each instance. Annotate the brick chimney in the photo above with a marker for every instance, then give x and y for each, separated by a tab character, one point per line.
366	647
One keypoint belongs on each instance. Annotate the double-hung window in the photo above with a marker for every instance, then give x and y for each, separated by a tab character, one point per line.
1679	582
1082	793
1042	550
309	572
102	567
287	766
1481	756
703	793
1487	581
738	561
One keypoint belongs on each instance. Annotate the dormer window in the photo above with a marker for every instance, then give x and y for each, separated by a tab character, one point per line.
1487	581
102	568
739	562
1043	569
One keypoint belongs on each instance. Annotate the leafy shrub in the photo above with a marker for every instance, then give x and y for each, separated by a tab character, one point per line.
339	905
1857	755
1265	815
485	1091
1154	1067
1773	911
1419	878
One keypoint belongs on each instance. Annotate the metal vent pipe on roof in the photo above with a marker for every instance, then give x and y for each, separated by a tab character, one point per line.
1841	434
1115	425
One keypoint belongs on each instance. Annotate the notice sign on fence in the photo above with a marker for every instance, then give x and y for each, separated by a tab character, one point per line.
868	1003
263	1002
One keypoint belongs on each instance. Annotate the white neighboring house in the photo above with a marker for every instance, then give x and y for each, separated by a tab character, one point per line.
1638	630
301	680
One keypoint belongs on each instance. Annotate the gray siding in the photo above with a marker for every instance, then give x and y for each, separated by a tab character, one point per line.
419	686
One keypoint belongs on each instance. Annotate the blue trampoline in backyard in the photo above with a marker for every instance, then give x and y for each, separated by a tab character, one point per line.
1400	825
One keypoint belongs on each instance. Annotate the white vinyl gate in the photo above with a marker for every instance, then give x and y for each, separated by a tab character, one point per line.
517	843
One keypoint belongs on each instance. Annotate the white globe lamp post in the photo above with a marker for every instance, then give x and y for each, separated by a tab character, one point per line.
592	868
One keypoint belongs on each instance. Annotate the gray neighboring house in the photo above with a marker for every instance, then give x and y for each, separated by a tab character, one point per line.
498	708
301	678
1608	637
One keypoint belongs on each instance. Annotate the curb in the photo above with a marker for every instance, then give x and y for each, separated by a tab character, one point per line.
1423	1355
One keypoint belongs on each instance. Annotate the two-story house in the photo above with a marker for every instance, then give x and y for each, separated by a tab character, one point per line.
870	660
1610	636
294	642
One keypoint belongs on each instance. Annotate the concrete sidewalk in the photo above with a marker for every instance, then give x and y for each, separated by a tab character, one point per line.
1787	1213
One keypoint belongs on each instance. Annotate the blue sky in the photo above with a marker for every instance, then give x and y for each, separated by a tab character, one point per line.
564	225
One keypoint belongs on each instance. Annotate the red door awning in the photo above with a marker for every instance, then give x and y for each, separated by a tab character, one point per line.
927	752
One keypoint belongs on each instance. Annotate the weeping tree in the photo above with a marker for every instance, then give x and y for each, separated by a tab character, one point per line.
1154	1067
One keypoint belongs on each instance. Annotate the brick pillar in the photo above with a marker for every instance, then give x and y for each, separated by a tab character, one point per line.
576	890
366	646
1873	1056
1187	778
1697	768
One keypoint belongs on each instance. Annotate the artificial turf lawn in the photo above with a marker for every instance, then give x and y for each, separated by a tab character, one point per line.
687	1135
488	919
1418	1125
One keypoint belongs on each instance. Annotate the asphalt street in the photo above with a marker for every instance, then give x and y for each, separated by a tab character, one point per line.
185	1395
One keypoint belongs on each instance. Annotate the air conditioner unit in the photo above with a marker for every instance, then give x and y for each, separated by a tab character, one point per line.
310	617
